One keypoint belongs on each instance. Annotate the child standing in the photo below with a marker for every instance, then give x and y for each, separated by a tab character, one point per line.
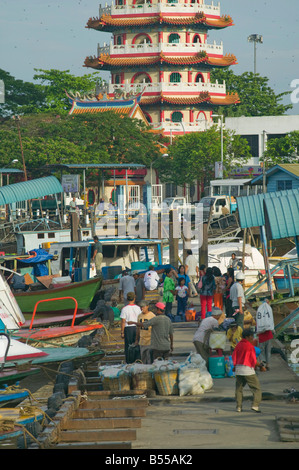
182	293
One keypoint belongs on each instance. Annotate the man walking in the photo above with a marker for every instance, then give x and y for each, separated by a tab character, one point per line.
151	279
245	362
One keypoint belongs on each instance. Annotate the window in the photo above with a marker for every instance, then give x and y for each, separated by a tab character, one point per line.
196	39
174	38
175	77
177	116
199	78
283	185
253	142
108	251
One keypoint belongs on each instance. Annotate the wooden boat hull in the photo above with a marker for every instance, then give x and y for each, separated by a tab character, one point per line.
62	354
12	398
10	375
60	336
18	421
83	292
283	283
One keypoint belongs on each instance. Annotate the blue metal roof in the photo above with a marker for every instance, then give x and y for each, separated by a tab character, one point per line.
282	216
29	190
251	209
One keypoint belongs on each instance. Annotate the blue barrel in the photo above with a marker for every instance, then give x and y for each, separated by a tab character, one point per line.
217	367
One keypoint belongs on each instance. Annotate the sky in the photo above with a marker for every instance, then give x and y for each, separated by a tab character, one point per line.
51	34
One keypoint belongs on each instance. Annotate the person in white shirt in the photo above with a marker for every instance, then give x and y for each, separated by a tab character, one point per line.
202	334
151	279
129	313
192	269
237	298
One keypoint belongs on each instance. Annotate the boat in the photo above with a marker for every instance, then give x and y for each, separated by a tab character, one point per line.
13	351
83	292
59	335
55	356
11	396
16	419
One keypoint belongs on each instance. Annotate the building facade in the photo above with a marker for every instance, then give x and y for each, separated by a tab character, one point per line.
161	48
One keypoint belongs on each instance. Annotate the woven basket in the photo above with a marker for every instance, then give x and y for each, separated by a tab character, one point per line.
120	382
167	381
143	381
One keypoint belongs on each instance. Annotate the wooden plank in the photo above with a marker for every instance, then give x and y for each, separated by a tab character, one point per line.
98	435
105	404
94	445
110	413
101	423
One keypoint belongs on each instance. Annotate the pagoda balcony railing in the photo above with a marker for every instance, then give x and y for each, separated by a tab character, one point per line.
183	127
161	7
166	48
169	87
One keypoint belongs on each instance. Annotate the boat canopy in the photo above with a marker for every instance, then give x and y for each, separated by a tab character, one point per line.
32	189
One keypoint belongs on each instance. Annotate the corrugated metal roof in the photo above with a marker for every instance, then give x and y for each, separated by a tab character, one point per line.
29	190
251	209
282	216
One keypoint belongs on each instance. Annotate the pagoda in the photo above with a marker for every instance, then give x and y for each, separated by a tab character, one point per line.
159	48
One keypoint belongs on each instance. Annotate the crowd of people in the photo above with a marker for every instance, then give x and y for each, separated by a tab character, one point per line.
149	325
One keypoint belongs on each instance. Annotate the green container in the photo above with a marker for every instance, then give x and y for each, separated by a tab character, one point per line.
217	367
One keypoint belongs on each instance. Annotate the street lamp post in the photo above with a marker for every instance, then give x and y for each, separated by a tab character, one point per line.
17	119
255	38
221	131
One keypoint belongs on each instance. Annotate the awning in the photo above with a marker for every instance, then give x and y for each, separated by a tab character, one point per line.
251	208
282	216
32	189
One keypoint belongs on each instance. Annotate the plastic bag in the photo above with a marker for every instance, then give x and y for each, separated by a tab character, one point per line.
229	365
264	318
206	380
217	340
197	360
189	381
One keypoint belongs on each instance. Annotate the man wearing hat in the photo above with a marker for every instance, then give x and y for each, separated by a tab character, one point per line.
202	334
161	333
143	336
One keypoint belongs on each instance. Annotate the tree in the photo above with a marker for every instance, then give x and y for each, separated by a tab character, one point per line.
56	82
193	156
47	96
256	96
90	138
282	150
20	97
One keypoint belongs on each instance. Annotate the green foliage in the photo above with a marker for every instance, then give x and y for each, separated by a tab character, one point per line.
51	139
57	82
256	96
47	96
193	156
21	97
283	150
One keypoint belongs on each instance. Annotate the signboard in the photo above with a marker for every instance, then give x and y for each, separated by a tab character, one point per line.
70	183
218	170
